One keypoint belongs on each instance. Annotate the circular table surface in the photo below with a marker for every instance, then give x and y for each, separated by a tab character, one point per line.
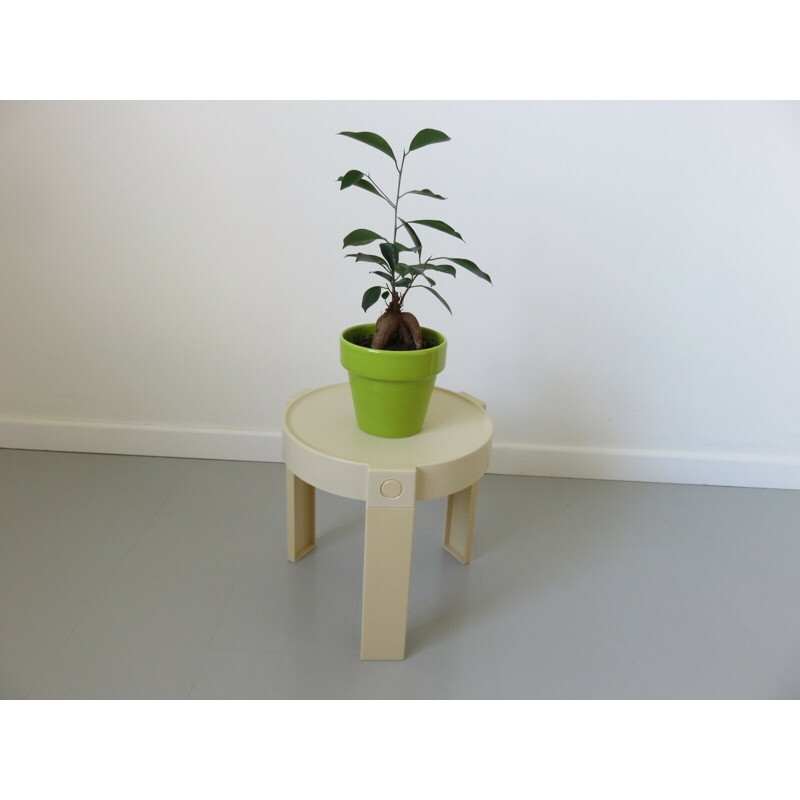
325	421
320	425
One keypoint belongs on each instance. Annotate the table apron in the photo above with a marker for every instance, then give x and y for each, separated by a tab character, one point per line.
350	479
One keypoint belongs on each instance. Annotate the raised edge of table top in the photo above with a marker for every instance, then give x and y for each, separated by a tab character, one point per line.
324	420
321	438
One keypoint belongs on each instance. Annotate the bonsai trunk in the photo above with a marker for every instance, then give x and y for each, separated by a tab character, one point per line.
398	327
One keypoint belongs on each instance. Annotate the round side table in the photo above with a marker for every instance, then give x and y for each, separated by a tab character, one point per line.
324	448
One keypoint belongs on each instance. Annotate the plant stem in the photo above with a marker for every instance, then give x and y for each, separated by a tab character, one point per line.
397	201
396	204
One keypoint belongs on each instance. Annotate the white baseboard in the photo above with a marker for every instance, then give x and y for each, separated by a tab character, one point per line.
657	466
654	466
140	440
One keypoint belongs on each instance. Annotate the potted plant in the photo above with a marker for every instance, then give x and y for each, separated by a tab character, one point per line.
393	362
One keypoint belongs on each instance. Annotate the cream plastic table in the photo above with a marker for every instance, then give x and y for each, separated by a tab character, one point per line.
324	448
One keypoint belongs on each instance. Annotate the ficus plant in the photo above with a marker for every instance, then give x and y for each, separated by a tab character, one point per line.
401	265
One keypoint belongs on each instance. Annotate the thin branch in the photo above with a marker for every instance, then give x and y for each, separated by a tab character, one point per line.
410	285
397	201
383	194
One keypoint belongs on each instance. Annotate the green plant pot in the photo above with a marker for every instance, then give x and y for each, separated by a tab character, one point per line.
391	389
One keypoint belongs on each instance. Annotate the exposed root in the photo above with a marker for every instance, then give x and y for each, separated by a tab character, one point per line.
385	329
397	325
404	335
411	324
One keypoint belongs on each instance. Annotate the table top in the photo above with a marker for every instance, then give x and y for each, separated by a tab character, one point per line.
321	439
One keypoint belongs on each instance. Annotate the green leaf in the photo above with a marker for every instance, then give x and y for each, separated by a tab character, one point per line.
403	283
413	234
427	136
370	297
438	225
402	269
441	268
368	257
384	295
426	193
364	183
373	140
350	177
441	299
389	253
431	281
401	248
360	236
381	274
470	266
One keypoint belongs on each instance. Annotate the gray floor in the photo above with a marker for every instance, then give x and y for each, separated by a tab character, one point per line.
125	577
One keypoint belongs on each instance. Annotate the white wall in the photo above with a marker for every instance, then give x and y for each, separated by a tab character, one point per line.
180	265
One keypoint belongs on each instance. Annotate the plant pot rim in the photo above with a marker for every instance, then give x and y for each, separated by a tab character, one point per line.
391	365
370	326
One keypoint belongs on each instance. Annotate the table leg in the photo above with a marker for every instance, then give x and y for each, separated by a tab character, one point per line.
300	517
387	574
461	523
